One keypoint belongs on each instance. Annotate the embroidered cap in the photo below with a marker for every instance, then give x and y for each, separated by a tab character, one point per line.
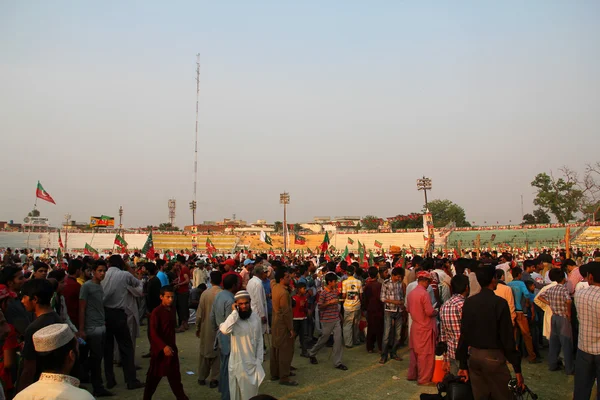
241	295
52	337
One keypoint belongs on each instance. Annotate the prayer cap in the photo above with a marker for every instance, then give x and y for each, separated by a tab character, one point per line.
52	337
242	294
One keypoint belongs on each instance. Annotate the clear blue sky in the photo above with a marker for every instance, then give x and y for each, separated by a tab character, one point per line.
342	103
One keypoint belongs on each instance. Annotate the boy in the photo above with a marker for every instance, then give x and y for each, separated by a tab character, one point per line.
300	322
91	325
163	350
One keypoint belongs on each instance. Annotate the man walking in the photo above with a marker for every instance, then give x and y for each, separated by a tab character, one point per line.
282	329
208	361
392	297
245	361
351	293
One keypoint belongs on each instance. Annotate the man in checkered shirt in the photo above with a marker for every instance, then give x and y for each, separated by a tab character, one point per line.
561	333
392	297
587	364
450	317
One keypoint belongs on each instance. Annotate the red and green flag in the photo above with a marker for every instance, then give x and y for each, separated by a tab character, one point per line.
325	243
299	240
59	256
346	256
89	250
60	243
210	247
119	241
41	193
361	252
327	256
148	248
350	241
378	244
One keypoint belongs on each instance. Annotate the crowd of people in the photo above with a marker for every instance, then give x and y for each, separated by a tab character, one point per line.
70	321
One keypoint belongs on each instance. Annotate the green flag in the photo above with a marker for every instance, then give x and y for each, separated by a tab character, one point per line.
325	243
266	238
361	252
371	260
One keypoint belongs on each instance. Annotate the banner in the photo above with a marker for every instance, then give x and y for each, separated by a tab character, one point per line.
428	234
103	221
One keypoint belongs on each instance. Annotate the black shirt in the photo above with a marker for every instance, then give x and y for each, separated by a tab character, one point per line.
486	324
153	296
40	322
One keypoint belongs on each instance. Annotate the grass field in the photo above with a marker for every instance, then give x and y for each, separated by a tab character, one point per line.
365	378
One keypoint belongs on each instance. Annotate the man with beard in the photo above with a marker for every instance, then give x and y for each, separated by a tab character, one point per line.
245	359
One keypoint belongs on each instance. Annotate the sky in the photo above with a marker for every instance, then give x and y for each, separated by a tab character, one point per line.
343	104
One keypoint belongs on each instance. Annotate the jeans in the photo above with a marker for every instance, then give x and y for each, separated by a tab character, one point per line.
392	328
561	337
96	339
587	370
300	327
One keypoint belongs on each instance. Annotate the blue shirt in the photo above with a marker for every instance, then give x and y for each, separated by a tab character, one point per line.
519	291
267	285
219	313
163	278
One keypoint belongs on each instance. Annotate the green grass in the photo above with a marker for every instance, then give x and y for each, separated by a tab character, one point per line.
365	378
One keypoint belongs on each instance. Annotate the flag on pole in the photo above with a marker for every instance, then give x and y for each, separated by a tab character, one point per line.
89	250
299	240
210	247
346	256
350	241
41	193
148	248
60	243
59	256
119	241
378	244
371	259
327	256
265	238
325	243
361	252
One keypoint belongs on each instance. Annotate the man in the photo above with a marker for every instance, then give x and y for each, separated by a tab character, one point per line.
257	294
351	293
245	273
229	268
116	284
487	341
423	331
574	275
161	275
561	334
329	315
450	318
282	329
587	364
374	307
208	360
200	275
506	293
72	288
92	325
392	297
183	293
40	270
15	313
504	265
56	349
245	361
521	301
36	298
164	360
220	311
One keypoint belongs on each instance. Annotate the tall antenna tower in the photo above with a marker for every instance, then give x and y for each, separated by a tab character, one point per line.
194	202
172	212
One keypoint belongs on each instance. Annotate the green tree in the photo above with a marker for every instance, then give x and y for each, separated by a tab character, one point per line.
561	197
410	221
167	226
444	211
528	219
541	216
278	226
370	222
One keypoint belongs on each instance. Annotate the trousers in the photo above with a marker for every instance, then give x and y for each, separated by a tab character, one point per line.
374	332
208	368
117	329
183	308
392	328
174	378
489	374
281	359
328	328
420	367
301	329
224	377
96	339
587	370
561	337
351	321
522	324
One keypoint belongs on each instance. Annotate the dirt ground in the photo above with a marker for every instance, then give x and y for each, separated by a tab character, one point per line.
365	378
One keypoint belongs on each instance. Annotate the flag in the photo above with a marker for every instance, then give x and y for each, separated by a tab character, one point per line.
265	238
378	244
361	252
148	248
299	240
119	241
60	243
89	250
350	241
346	256
371	259
59	256
271	252
41	193
327	256
210	247
325	243
309	251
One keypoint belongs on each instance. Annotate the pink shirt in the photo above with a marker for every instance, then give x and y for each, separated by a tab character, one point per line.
574	278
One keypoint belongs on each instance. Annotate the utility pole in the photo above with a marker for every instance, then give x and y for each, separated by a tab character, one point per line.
193	208
284	198
67	218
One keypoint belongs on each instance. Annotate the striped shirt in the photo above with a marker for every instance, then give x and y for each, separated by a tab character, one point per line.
391	290
587	302
330	312
450	317
557	296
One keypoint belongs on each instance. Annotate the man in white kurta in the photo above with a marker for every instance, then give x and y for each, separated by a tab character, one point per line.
258	299
246	357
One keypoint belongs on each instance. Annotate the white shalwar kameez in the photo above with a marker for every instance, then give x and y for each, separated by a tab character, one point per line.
245	360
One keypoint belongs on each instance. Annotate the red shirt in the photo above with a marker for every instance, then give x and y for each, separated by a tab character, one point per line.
71	295
182	272
9	344
232	272
299	310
